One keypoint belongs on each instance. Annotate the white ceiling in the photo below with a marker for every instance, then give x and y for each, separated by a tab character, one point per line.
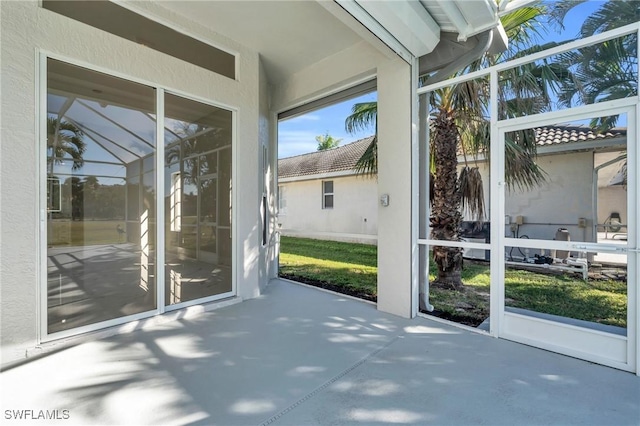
292	35
289	35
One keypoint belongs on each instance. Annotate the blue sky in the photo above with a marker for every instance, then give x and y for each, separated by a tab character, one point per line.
297	135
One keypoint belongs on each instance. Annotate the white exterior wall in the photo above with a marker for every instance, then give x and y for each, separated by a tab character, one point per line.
394	178
269	251
27	30
353	218
565	197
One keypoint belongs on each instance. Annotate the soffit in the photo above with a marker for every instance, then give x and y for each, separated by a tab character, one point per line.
293	35
466	18
413	28
288	35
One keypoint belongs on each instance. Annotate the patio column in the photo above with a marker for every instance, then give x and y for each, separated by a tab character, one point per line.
394	180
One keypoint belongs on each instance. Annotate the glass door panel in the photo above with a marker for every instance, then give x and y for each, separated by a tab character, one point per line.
197	177
100	172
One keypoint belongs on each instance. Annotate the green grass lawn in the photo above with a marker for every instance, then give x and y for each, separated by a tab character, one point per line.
338	266
597	300
351	268
62	232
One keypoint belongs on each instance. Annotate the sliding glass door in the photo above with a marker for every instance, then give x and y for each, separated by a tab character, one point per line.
106	137
100	150
197	202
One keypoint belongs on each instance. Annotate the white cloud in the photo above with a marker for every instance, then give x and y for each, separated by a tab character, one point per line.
296	148
309	117
296	142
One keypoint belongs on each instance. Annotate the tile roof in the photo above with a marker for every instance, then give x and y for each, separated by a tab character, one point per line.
330	160
567	134
346	156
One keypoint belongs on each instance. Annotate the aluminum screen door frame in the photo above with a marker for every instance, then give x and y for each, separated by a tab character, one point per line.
586	343
626	354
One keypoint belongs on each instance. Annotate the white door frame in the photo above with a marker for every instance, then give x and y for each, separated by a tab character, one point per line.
593	345
43	335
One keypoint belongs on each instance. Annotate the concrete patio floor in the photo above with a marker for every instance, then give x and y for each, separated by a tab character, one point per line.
300	356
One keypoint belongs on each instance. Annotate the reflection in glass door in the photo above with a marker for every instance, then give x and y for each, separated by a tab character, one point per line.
569	282
207	226
100	151
103	195
197	200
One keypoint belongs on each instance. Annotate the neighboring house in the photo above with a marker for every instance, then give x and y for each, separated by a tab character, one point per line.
322	197
567	154
577	177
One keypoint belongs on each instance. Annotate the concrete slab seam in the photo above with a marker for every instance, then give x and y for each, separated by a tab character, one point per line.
328	383
326	290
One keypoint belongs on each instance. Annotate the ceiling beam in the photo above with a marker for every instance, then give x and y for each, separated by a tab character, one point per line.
408	22
382	33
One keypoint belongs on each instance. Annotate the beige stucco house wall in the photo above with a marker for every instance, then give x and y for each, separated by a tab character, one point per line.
566	196
569	183
353	215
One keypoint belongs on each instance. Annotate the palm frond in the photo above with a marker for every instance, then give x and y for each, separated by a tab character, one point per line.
560	10
521	170
65	139
367	164
611	15
363	116
472	193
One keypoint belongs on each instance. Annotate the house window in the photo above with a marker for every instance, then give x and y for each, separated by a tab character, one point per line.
282	200
54	196
327	194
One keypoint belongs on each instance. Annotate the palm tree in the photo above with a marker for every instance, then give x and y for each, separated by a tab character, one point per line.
191	139
604	71
445	206
327	142
461	124
65	138
363	116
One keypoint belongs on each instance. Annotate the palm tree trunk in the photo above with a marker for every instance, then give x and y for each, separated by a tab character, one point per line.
446	217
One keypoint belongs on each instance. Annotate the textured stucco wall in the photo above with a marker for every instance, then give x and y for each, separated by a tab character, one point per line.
612	199
28	29
565	197
562	199
269	250
394	179
354	212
